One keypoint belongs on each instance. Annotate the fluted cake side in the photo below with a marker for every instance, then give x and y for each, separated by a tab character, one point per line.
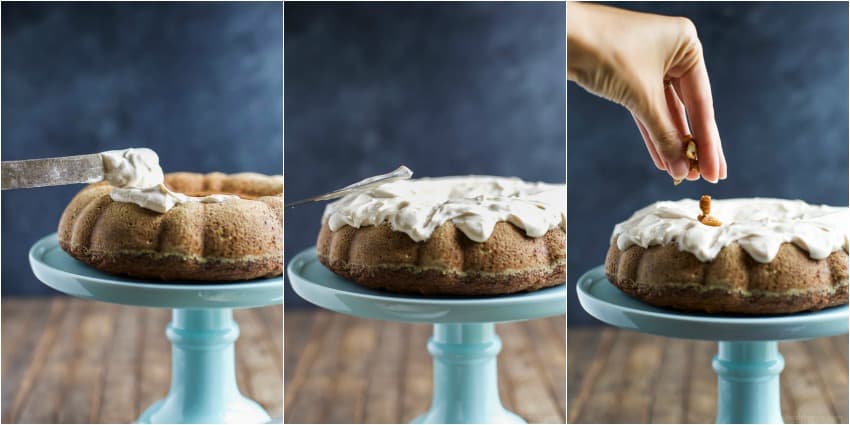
238	239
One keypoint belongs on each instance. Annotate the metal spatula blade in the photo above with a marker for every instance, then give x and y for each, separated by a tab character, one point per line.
400	173
51	171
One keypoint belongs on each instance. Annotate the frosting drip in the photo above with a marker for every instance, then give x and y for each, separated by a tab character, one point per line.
474	204
138	179
160	199
758	225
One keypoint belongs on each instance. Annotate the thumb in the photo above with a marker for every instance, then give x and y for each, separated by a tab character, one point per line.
665	136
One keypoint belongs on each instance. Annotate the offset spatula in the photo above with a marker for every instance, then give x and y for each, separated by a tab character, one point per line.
400	173
51	171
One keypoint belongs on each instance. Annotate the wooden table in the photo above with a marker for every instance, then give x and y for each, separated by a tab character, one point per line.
66	360
616	376
334	372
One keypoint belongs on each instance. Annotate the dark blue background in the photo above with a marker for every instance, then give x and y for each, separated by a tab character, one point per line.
199	83
445	89
779	79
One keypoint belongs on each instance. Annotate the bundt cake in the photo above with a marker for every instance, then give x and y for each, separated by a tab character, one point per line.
471	235
764	256
216	227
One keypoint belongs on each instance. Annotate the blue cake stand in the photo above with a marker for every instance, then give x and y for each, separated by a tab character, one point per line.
202	332
464	345
747	363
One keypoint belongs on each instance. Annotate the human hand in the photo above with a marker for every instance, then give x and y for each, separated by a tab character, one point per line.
652	65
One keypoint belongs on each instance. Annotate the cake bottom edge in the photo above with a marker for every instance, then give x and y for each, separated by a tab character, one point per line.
409	280
176	268
718	300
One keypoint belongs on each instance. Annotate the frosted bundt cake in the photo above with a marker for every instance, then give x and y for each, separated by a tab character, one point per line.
764	256
209	227
471	235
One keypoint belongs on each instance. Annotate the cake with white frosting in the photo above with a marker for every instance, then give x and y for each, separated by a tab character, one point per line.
146	224
767	256
472	235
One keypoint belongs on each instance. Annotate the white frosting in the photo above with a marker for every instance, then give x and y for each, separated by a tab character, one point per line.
473	203
758	225
138	179
133	168
160	199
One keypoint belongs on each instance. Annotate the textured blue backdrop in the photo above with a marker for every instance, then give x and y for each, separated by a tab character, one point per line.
779	78
442	88
199	83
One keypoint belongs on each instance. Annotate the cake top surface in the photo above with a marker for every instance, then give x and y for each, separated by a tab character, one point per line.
138	179
473	203
758	225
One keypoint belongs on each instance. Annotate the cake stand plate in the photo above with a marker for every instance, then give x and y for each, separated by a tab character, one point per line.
748	362
464	345
202	332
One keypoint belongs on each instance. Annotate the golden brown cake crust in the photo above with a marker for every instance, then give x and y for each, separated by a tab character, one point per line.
733	283
448	263
235	240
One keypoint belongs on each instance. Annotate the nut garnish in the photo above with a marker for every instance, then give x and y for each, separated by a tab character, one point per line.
691	151
705	217
691	155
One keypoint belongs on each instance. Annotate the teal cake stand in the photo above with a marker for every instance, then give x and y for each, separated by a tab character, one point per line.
464	345
202	332
748	362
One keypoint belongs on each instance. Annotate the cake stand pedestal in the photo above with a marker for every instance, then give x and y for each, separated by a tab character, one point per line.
202	332
464	345
747	363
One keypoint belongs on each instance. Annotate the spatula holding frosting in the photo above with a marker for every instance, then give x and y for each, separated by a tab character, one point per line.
127	168
135	173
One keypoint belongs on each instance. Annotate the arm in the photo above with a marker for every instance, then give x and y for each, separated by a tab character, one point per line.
653	66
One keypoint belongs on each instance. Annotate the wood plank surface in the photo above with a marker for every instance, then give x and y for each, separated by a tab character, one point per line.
617	376
418	371
73	361
374	371
67	360
384	388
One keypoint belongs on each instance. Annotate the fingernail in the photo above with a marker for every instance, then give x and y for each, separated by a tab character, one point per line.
678	168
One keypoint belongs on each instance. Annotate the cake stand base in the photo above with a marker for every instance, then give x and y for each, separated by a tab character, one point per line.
748	382
203	378
464	345
202	332
748	362
465	376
